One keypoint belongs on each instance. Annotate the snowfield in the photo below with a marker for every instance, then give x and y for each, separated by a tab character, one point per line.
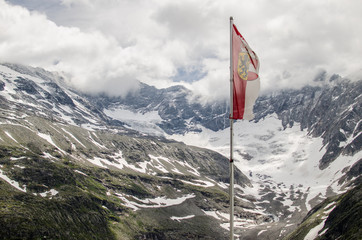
158	202
281	158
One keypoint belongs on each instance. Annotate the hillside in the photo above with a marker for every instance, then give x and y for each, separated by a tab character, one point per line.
153	165
337	217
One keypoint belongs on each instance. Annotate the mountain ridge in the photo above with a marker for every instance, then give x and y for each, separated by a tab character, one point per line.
120	153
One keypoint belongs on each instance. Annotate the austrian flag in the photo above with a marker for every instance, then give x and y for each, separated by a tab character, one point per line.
246	82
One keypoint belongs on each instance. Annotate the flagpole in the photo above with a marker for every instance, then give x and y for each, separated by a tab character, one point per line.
231	190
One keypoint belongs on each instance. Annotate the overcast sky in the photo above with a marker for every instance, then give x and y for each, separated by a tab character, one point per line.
110	45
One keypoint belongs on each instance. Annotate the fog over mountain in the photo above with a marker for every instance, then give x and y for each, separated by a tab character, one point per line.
108	46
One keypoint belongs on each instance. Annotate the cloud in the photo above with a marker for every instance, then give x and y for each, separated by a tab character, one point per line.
93	61
110	45
306	37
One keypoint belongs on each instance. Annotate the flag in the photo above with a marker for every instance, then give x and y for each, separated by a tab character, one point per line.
246	82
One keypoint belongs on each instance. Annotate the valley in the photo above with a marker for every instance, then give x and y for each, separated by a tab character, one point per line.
154	165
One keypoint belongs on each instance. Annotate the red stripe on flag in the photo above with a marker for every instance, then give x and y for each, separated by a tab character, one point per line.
239	91
245	68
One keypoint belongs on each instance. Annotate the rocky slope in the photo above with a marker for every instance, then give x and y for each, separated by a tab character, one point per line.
330	102
337	217
105	168
67	174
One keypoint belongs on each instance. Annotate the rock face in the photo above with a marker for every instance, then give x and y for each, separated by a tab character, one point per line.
335	218
335	102
179	114
65	173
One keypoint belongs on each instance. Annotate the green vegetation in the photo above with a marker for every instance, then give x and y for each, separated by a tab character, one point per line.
85	206
343	222
76	215
71	214
68	197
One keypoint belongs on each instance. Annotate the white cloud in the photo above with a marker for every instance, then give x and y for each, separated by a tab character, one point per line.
108	45
93	61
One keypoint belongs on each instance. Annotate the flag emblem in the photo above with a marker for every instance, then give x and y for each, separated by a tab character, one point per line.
243	65
245	77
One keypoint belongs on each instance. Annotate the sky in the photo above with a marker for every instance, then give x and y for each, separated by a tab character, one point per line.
111	45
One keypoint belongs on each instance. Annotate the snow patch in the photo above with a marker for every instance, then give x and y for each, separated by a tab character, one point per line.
142	122
9	135
77	171
50	193
158	202
182	218
49	139
76	139
199	183
314	232
13	183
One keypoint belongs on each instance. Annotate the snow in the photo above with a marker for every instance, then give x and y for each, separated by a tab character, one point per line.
181	218
218	215
71	135
200	183
142	122
15	158
222	185
21	167
262	232
323	232
92	127
49	139
48	155
278	158
224	219
281	159
66	109
77	171
157	163
98	161
125	114
119	162
66	118
313	233
95	142
13	183
10	89
50	193
351	137
9	135
158	202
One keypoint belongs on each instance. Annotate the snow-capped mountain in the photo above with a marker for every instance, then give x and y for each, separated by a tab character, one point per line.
36	91
127	155
334	102
171	110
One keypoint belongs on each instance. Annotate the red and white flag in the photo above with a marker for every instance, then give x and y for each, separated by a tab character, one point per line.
246	82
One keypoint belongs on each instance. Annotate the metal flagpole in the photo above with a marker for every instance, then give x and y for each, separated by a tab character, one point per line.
231	190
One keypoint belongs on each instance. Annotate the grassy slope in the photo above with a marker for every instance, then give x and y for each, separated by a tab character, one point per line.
343	222
84	208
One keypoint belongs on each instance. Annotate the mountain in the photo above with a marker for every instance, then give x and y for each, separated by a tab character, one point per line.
336	102
177	112
153	165
334	218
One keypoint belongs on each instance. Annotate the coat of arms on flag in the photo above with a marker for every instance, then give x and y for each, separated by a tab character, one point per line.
243	65
246	82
